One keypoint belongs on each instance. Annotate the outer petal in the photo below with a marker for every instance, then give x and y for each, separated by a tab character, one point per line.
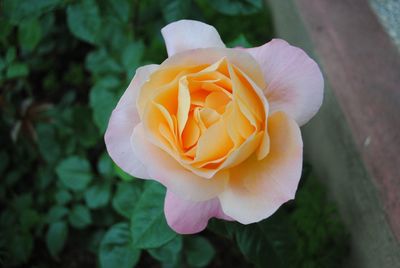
257	189
165	169
189	217
123	120
294	81
189	34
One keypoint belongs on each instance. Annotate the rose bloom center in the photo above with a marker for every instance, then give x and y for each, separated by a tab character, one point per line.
208	117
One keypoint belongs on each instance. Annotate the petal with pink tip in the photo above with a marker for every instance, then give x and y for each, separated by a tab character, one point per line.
189	217
294	81
189	34
123	120
169	172
256	189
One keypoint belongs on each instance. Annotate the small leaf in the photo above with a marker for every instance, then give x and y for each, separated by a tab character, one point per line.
16	70
19	10
122	174
102	102
29	218
10	55
74	172
149	228
63	197
29	34
56	213
125	198
122	9
237	7
21	246
84	127
100	62
84	20
168	253
240	41
131	57
116	250
48	145
105	166
80	217
55	237
257	247
174	10
97	195
199	252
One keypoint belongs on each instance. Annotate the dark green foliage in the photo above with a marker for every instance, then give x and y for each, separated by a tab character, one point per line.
63	202
149	228
116	248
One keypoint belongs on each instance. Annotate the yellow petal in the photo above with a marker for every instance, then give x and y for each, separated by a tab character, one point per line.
183	104
217	100
214	143
209	116
190	134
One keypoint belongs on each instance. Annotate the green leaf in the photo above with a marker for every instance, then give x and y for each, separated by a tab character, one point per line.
126	197
5	29
79	217
84	127
102	101
100	62
199	252
56	236
174	10
84	20
122	174
168	253
19	10
10	55
63	197
2	64
223	228
48	145
122	8
21	202
29	34
105	166
240	41
256	247
97	195
56	213
131	57
28	218
116	250
16	70
21	246
149	228
45	176
237	7
74	172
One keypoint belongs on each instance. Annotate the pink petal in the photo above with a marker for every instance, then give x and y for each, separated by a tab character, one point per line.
257	189
189	34
295	83
189	217
123	120
169	172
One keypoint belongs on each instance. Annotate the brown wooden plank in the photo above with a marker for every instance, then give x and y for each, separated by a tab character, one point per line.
363	68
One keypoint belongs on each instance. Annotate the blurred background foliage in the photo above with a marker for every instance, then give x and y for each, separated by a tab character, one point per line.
63	66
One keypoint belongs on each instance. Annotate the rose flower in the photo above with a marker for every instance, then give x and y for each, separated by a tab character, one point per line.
217	126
